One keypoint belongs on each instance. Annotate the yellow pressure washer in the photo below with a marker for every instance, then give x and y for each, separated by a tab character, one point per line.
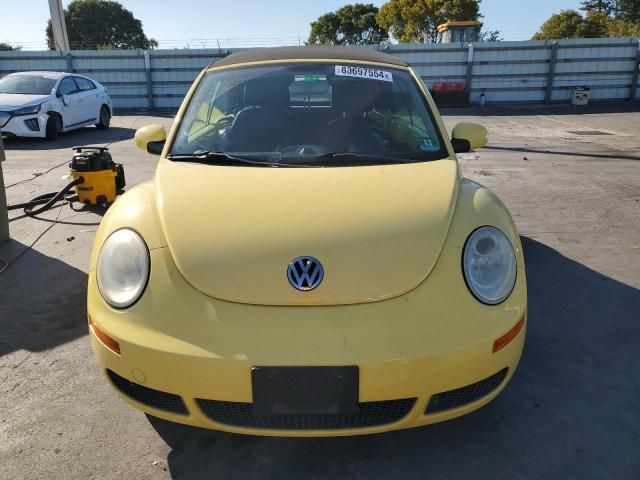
97	180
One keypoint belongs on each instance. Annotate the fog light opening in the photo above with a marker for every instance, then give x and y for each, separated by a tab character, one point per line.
106	340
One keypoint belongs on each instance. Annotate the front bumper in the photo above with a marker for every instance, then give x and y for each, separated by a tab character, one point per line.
26	126
434	339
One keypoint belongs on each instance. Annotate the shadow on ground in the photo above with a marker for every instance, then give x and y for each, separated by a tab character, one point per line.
571	411
613	155
42	300
535	109
80	137
75	205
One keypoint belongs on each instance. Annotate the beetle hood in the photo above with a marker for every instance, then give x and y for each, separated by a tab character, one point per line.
376	230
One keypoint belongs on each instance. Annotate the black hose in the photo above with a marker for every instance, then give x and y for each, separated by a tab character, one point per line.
48	199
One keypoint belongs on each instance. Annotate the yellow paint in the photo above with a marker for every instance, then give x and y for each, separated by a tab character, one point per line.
475	134
378	230
148	134
393	301
101	183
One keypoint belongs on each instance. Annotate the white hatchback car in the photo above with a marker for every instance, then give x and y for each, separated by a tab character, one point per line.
44	104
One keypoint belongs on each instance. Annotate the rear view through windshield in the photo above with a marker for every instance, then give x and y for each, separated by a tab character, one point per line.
314	114
27	84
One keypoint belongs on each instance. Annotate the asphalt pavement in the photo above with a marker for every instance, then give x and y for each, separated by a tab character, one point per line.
571	179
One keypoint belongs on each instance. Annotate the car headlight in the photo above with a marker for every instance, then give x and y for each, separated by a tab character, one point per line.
489	265
30	110
123	268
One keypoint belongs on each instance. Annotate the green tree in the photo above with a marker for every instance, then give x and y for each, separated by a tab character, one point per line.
350	25
417	20
629	10
570	24
566	24
623	28
101	24
595	25
607	7
5	47
490	36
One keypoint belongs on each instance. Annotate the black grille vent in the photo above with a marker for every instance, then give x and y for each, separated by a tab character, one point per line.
370	414
32	124
153	398
465	395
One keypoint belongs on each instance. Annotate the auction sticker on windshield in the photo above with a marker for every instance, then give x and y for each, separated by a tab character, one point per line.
363	72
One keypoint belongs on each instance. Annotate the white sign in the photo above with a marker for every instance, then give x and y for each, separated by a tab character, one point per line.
363	72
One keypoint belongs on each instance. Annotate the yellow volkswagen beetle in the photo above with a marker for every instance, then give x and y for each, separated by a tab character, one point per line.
308	260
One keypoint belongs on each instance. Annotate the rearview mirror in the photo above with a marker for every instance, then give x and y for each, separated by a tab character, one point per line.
66	100
151	138
468	136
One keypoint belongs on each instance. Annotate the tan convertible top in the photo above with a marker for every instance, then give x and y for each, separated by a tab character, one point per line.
311	52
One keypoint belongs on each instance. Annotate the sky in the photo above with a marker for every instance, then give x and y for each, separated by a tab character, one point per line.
198	23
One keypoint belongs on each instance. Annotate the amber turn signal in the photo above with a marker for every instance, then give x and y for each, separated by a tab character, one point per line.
505	339
107	341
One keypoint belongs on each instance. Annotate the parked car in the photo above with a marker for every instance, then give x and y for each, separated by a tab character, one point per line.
308	259
44	104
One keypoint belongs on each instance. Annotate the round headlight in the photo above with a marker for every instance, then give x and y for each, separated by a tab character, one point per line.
489	265
123	268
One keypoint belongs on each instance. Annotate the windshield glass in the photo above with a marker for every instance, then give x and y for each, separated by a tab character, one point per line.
311	114
27	84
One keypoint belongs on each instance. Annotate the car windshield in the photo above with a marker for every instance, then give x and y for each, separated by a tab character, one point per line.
308	114
27	84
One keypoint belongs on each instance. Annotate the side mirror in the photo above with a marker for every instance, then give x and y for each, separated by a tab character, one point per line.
468	136
66	100
151	138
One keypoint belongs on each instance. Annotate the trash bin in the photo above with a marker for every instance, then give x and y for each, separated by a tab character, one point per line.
580	96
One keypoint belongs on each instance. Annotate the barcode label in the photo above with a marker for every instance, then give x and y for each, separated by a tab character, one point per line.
363	72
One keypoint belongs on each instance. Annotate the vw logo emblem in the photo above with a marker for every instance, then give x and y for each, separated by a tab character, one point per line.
305	273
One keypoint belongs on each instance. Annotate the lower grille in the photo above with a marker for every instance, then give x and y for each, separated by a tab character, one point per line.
370	414
152	398
32	124
465	395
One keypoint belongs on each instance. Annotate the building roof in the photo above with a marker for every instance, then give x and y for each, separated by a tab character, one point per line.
310	52
468	23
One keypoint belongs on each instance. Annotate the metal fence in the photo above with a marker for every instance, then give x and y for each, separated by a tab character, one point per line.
533	71
522	72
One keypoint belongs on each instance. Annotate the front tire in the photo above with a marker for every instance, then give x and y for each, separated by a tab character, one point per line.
52	129
105	118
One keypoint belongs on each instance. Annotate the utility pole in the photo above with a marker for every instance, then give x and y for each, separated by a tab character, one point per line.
60	38
4	219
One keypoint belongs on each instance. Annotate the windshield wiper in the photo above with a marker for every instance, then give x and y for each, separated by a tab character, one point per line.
205	156
374	159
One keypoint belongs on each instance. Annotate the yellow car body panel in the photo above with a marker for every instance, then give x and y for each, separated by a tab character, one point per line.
420	333
415	345
378	230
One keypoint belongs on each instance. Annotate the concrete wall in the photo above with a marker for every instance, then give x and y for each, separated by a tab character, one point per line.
531	71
